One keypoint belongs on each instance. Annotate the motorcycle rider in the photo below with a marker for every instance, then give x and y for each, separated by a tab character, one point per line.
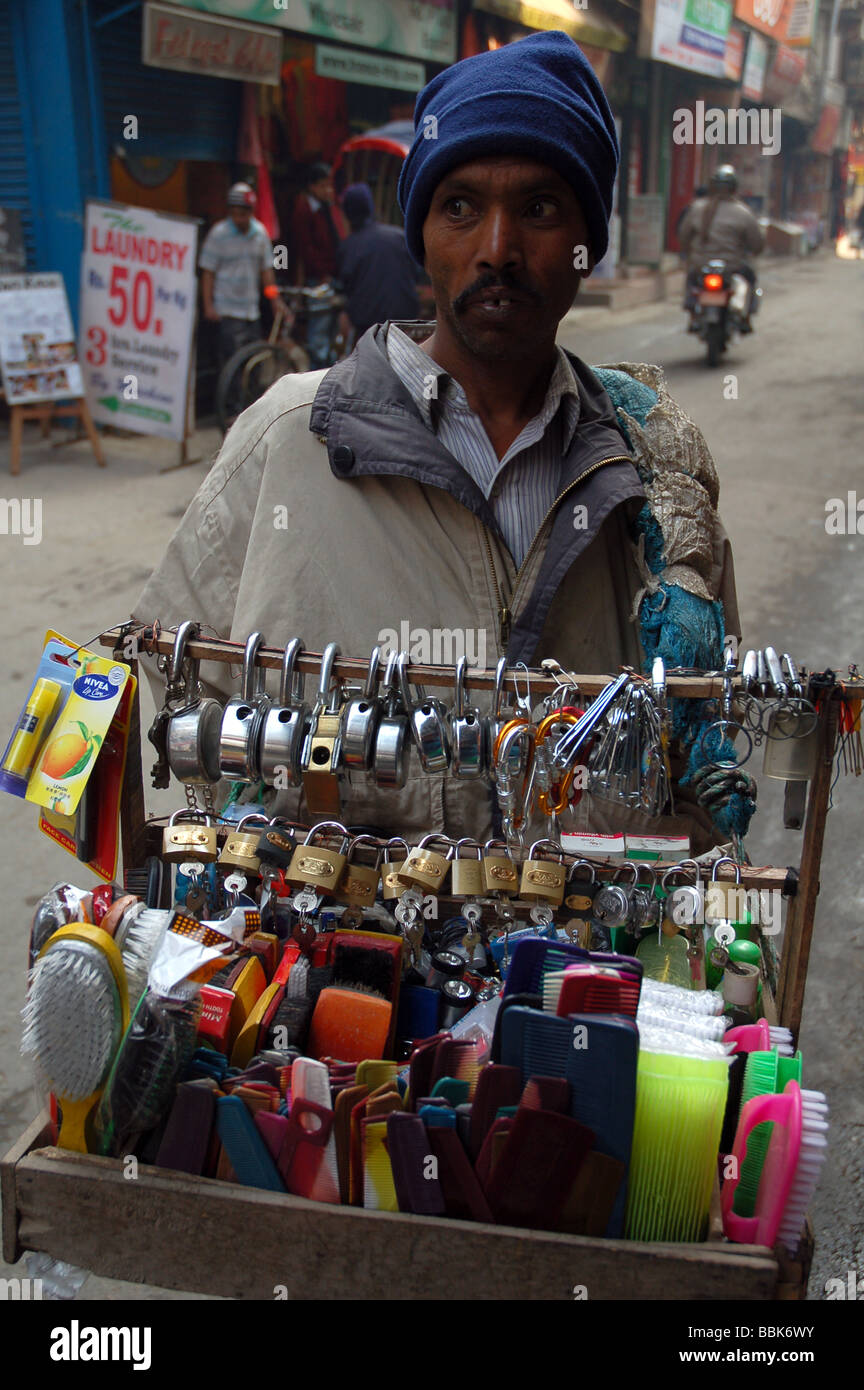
721	227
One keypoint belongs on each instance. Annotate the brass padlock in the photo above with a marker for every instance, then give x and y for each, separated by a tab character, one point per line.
315	865
466	875
321	753
391	886
542	879
424	868
499	871
359	882
189	840
240	848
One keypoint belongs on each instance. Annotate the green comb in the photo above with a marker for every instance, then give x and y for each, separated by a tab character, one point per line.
764	1074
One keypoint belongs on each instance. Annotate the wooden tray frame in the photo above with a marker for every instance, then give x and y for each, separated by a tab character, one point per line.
182	1232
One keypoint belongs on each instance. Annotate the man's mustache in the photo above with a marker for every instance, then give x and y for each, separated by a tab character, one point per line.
505	278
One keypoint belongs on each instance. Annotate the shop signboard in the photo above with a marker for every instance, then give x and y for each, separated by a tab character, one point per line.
645	220
786	21
423	29
138	297
692	34
784	74
753	81
370	69
733	58
173	38
38	360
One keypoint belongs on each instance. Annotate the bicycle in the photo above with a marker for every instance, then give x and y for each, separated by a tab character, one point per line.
255	367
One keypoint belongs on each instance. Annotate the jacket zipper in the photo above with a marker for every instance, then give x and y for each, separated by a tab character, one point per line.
505	615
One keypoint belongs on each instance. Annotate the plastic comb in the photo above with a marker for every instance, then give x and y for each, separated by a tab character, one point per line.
417	1187
244	1146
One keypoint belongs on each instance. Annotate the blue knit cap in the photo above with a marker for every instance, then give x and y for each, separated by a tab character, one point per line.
537	97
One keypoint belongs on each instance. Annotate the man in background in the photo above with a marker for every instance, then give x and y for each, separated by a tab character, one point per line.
375	267
318	230
721	227
236	267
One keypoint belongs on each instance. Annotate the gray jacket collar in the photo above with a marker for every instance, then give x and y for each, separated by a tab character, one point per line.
373	428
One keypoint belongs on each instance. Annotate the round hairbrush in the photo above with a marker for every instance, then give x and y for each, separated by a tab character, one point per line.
76	1012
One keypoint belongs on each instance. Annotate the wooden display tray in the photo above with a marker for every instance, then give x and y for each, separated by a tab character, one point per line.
218	1238
200	1234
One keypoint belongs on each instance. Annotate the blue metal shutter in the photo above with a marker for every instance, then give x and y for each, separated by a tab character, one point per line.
14	173
180	115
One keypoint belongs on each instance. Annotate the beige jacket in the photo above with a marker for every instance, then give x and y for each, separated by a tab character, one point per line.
332	513
734	234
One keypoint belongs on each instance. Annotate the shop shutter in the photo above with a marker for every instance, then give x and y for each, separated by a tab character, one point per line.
180	115
14	141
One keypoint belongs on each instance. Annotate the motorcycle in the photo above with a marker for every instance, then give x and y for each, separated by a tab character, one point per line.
718	307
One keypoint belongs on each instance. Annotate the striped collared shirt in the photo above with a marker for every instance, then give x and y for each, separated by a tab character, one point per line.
520	487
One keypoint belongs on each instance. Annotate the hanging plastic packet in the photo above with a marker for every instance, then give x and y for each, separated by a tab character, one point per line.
56	740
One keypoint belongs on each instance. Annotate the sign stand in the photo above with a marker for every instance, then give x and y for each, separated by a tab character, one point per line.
183	456
44	412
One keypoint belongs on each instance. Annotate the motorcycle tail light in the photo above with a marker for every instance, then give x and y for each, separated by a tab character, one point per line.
713	282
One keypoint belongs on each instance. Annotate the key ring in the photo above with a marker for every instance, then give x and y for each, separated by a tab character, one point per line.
725	723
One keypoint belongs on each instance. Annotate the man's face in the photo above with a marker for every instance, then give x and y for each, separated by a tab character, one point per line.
500	241
322	190
241	217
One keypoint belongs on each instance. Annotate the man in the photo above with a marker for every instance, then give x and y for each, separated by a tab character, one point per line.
318	231
236	266
375	268
721	227
481	485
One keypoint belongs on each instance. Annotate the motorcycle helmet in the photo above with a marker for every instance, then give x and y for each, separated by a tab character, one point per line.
241	195
724	176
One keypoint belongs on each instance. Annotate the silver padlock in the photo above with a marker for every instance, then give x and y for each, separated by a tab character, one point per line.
285	723
428	724
685	904
242	720
192	734
611	907
644	906
360	719
468	750
392	740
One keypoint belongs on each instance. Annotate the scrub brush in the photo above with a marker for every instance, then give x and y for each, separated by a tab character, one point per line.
798	1121
765	1073
76	1011
761	1037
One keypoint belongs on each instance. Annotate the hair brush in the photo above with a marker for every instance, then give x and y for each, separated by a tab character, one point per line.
151	1059
76	1012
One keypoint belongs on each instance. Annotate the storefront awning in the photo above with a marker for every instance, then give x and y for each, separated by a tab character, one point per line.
585	26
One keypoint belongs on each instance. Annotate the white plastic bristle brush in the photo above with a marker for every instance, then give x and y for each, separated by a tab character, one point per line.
695	1001
139	937
710	1026
76	1012
813	1152
761	1036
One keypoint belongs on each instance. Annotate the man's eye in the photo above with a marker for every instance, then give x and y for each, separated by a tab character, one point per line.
457	207
542	207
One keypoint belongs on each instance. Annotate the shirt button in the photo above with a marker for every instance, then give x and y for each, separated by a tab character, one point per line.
343	458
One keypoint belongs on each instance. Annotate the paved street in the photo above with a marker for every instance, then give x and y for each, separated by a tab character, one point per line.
791	440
